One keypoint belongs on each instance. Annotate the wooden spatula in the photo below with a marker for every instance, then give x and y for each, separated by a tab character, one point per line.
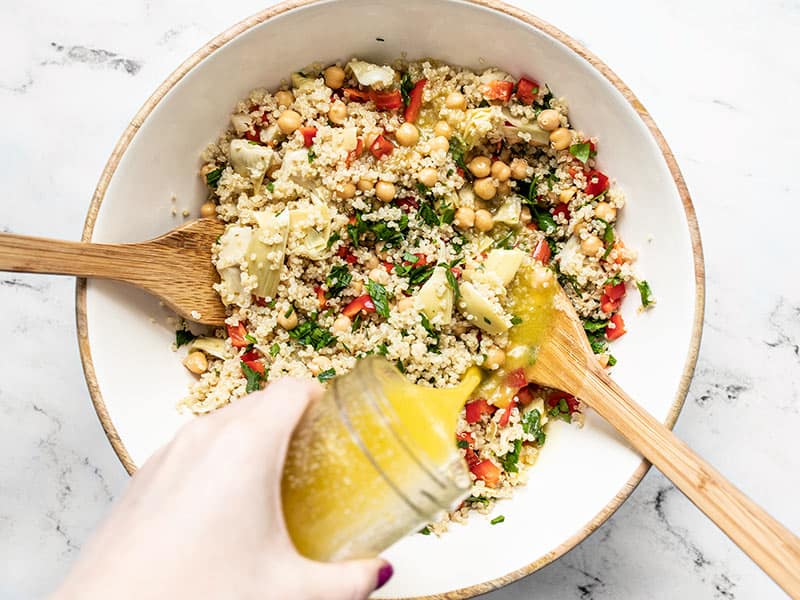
176	267
566	362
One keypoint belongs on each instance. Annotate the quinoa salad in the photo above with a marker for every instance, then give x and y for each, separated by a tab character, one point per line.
376	209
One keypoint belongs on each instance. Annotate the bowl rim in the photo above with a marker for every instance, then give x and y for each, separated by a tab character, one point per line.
498	6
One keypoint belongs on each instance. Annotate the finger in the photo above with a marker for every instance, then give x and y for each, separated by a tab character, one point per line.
349	580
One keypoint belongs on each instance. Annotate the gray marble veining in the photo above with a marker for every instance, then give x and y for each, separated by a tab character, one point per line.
721	80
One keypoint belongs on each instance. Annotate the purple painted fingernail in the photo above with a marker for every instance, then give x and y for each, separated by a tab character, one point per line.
384	575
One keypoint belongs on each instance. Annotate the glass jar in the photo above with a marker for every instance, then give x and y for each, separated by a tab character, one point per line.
374	460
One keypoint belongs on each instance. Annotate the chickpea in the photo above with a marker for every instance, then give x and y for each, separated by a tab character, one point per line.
464	218
380	251
519	168
456	101
209	209
484	220
342	324
443	128
428	176
503	188
357	286
338	112
322	363
480	166
525	215
501	171
365	185
196	362
439	143
288	318
372	261
561	138
284	98
405	303
407	134
549	119
485	188
580	228
334	77
385	191
347	191
206	169
591	245
289	121
495	357
379	275
604	211
564	196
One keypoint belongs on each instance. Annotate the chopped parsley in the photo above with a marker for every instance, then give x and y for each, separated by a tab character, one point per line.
289	311
561	411
478	500
611	360
608	239
312	334
645	292
212	177
453	283
334	237
183	336
497	519
428	214
532	424
426	325
382	349
462	444
406	85
311	156
581	151
400	366
250	339
379	297
270	186
510	460
457	150
425	530
337	280
326	375
448	213
515	320
507	242
254	378
593	326
274	349
417	275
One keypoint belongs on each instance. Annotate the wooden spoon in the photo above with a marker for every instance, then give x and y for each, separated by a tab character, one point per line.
565	361
176	267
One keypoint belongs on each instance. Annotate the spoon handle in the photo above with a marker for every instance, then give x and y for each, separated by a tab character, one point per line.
122	262
773	547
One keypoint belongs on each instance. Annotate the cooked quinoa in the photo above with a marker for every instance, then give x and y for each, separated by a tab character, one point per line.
385	209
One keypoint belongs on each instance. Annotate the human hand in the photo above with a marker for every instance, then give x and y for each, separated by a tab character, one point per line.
202	518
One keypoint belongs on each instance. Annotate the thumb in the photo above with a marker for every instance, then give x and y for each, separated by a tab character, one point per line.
352	579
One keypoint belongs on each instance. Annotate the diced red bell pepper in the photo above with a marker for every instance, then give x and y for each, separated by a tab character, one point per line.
471	458
237	334
259	301
407	204
592	148
253	137
421	260
532	226
256	365
465	436
388	266
615	292
618	330
349	257
476	409
356	306
250	356
355	153
456	271
607	305
387	100
555	397
381	147
527	90
498	90
487	471
321	299
596	183
516	379
356	95
308	135
542	252
524	396
563	210
507	412
414	101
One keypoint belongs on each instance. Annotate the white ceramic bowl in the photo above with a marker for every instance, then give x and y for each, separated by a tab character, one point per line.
582	475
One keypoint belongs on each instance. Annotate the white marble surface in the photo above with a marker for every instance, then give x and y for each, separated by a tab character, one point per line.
720	78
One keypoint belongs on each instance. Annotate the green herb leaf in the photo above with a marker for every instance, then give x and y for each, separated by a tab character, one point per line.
212	177
379	297
326	375
400	366
312	334
447	214
581	151
598	342
250	339
382	349
428	215
274	349
544	219
497	519
334	237
426	325
507	242
510	460
532	424
608	239
462	444
254	378
270	186
515	320
406	85
425	530
478	500
311	156
592	326
337	280
183	336
453	283
457	150
645	292
611	360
